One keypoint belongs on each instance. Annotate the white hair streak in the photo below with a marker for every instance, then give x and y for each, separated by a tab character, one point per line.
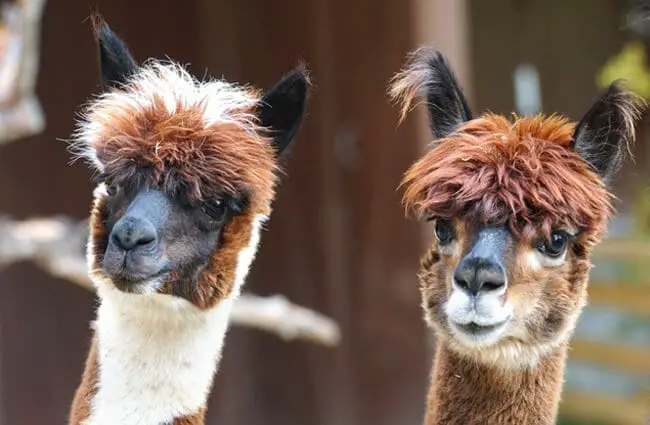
220	101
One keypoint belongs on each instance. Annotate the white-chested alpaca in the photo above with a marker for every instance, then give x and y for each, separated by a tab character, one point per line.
187	175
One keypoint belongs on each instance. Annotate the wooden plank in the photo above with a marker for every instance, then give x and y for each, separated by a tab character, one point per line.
643	285
604	409
634	300
619	357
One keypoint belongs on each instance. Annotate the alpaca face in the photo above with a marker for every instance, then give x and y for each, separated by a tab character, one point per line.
187	173
500	297
153	238
517	205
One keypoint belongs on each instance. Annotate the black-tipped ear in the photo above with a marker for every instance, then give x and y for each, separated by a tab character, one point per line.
282	108
427	74
115	61
604	135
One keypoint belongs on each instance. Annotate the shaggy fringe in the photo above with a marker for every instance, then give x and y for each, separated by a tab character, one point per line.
171	83
164	127
521	173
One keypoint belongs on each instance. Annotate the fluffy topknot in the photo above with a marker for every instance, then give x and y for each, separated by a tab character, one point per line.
164	128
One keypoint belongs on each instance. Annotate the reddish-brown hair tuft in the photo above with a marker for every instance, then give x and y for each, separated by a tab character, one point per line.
174	151
166	130
521	173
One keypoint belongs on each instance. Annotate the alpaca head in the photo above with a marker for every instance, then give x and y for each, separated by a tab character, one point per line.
187	172
517	205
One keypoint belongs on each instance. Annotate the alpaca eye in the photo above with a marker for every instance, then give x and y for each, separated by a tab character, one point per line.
215	208
555	246
444	231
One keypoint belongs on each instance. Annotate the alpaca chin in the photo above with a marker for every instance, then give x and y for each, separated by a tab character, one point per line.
143	287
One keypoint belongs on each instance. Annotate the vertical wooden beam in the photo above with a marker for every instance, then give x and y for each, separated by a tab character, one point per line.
338	240
445	25
442	24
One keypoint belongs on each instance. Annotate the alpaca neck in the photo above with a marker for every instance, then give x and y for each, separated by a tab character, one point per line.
468	393
153	357
151	362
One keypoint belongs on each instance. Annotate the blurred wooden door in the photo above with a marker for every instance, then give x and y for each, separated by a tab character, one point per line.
337	242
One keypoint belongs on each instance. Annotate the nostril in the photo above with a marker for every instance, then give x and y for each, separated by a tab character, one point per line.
462	284
463	277
490	278
145	239
474	276
491	286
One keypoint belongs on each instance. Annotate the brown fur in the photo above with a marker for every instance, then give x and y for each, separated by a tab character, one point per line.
86	390
216	281
175	152
213	284
482	395
196	419
533	176
465	390
520	173
541	185
545	300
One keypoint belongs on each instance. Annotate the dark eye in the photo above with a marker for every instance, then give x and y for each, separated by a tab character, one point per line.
215	209
444	231
554	247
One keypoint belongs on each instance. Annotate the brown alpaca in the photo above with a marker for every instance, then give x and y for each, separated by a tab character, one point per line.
517	205
187	174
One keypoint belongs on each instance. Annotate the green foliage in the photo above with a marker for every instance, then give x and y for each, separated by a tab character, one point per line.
630	64
641	212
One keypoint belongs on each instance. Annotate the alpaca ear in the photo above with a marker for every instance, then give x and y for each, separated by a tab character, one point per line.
115	61
428	75
603	136
282	108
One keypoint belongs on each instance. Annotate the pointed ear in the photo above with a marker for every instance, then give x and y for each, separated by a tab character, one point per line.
282	108
115	61
428	75
604	135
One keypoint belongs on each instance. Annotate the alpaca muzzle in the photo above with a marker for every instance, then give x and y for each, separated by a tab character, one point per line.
135	251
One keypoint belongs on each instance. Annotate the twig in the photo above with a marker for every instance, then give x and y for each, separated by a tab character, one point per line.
21	114
57	245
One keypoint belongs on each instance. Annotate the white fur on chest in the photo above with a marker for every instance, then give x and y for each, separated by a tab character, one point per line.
154	369
158	354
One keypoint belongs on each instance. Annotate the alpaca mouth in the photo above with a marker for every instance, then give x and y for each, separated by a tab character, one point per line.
136	281
138	286
475	329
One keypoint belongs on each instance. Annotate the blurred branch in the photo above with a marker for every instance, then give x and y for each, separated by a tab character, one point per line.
57	245
277	315
21	114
